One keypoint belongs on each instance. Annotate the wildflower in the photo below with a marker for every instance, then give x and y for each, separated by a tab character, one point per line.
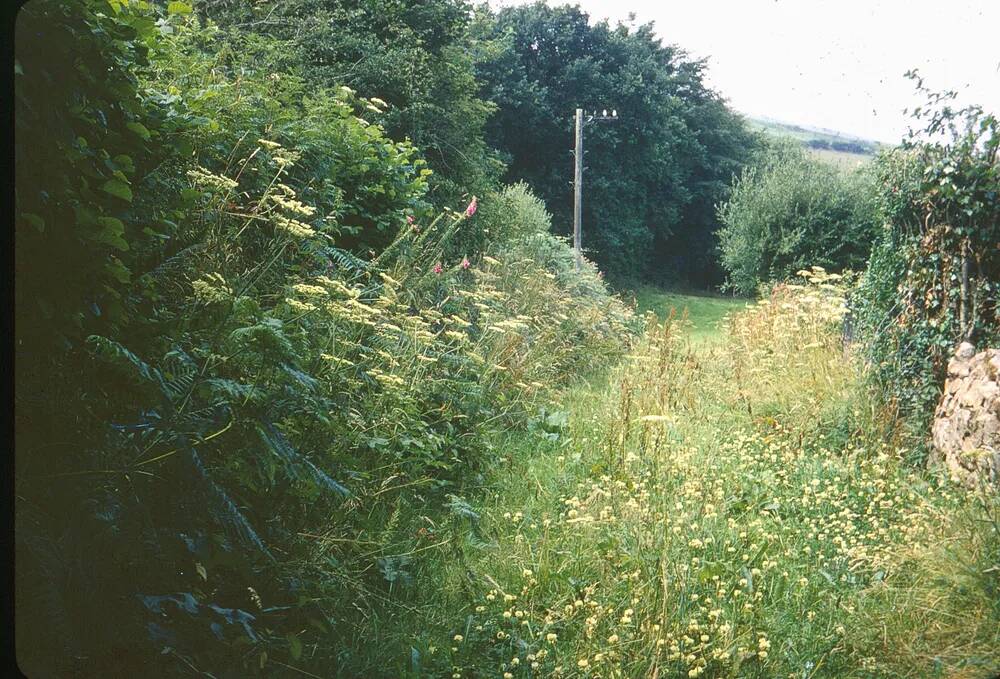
459	638
471	210
465	262
409	219
551	637
293	226
438	268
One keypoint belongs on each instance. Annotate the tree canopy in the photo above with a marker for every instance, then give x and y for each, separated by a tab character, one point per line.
653	177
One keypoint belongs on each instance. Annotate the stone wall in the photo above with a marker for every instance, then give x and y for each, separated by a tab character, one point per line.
966	430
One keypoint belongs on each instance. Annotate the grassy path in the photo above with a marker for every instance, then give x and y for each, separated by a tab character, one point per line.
705	312
735	511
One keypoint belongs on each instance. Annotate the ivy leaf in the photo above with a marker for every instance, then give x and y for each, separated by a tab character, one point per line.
118	271
118	188
139	129
111	233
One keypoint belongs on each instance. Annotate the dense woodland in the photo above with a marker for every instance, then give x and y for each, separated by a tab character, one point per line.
297	322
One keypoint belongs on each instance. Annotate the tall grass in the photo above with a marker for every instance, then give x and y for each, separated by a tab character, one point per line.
735	511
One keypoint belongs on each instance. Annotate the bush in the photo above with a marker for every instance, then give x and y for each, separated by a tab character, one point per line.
83	137
790	211
933	279
514	213
258	440
362	183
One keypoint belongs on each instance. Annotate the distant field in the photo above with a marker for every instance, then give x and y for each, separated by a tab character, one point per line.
847	161
849	152
705	312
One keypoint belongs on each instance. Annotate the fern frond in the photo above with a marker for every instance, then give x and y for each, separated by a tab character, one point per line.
298	466
173	266
346	261
130	366
265	337
223	509
229	390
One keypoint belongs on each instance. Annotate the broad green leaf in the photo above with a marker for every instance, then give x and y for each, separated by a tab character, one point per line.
125	162
118	188
178	8
118	271
139	129
111	233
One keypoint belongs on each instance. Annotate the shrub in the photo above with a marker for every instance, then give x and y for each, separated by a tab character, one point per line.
83	139
362	183
245	450
933	279
514	213
790	211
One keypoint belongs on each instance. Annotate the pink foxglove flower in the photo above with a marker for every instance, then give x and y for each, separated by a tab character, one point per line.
471	210
465	262
438	268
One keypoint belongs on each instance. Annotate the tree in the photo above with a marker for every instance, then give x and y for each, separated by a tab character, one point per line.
418	57
790	211
654	176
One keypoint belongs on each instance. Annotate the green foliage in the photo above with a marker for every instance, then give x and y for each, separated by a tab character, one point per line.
361	182
788	212
514	213
265	391
734	511
254	432
417	57
934	276
653	176
82	140
705	313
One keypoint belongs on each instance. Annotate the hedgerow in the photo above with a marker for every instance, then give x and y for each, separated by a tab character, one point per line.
304	369
933	279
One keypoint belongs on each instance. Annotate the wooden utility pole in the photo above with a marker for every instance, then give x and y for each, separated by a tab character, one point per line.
578	190
578	179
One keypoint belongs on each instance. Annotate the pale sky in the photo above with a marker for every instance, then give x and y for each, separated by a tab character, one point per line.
832	64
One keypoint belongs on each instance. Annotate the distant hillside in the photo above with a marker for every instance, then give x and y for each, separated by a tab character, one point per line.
836	147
